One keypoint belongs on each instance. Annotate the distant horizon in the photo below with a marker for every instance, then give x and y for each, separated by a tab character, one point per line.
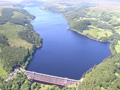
96	1
15	1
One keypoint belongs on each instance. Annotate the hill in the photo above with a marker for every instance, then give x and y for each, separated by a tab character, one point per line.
96	21
17	38
99	22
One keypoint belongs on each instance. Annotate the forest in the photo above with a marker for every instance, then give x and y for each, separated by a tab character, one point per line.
7	14
92	21
20	82
31	37
16	26
12	57
18	40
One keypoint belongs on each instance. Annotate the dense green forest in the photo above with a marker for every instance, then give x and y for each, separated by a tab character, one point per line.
12	57
7	14
108	75
18	40
3	40
31	37
20	82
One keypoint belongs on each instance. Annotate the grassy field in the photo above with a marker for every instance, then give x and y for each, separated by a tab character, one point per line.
11	32
1	7
117	47
97	32
18	15
45	87
117	29
2	72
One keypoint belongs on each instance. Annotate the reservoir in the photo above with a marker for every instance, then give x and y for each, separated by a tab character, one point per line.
64	53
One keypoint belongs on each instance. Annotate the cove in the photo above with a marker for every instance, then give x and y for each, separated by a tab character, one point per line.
64	53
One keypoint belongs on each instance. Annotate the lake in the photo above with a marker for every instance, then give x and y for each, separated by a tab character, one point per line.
64	53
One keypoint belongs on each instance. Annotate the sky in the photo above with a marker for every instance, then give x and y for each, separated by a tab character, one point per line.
16	1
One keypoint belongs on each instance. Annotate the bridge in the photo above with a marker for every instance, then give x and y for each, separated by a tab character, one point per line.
49	79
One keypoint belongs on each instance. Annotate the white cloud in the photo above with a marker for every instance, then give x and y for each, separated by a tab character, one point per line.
15	1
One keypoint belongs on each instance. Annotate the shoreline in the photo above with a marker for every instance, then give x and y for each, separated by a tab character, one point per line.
94	39
34	49
78	33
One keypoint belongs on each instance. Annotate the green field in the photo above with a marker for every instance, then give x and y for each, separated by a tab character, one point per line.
2	71
97	33
1	7
18	15
117	47
11	32
17	37
117	29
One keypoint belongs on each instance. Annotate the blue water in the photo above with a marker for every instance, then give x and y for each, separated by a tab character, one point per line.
64	53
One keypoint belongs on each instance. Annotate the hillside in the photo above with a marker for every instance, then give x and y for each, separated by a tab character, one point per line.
99	22
18	41
17	38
